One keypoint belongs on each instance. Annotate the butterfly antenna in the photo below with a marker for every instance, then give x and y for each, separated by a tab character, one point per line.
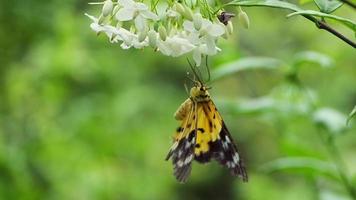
194	71
191	79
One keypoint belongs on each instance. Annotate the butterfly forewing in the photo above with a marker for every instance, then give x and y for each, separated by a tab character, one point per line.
182	150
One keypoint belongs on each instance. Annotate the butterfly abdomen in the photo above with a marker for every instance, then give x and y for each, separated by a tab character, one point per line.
183	110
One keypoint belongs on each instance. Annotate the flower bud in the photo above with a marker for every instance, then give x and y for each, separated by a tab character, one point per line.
152	38
116	9
179	8
101	19
142	35
107	8
244	20
162	32
188	13
197	21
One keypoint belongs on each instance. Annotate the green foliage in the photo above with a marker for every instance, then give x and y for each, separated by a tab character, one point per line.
325	6
328	6
245	64
305	165
331	120
347	22
351	115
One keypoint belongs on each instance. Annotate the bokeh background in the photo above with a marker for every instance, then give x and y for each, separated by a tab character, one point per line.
80	118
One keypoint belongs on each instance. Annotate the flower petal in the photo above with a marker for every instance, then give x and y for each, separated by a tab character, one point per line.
210	44
216	30
149	15
140	23
188	26
163	48
197	56
126	3
125	14
140	6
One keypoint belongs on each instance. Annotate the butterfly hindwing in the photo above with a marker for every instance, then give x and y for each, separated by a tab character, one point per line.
216	142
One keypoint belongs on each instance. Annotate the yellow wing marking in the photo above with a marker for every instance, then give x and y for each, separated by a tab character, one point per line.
209	126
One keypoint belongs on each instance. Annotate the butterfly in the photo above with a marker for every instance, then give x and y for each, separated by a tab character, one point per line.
202	136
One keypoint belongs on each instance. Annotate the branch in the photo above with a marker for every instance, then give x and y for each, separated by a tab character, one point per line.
285	5
324	26
351	4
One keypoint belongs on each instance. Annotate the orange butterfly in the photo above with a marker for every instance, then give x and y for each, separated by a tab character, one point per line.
202	136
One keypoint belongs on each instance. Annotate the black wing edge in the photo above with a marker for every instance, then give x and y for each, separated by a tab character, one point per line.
182	156
226	153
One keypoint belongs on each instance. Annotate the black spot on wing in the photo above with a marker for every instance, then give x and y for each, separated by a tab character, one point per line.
179	129
210	124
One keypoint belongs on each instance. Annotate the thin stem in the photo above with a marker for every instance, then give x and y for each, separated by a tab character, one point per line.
334	153
322	25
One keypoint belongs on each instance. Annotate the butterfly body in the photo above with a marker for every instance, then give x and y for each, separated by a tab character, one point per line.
202	136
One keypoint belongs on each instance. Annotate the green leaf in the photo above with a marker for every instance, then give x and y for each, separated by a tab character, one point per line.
304	1
330	119
268	3
351	115
328	6
307	165
245	64
297	10
247	107
347	22
313	57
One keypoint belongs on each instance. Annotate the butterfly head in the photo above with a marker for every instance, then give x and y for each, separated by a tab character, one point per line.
199	93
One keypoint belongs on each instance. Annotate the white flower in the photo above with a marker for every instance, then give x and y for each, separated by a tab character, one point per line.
118	34
204	38
135	10
109	30
131	40
175	46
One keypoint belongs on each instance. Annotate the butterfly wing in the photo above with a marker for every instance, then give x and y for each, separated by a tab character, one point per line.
182	150
213	140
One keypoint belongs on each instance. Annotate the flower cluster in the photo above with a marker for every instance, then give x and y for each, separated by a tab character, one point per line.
174	29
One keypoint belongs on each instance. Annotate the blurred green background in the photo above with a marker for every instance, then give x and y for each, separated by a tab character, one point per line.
81	118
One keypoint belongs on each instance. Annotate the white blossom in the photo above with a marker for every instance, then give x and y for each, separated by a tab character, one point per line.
175	46
136	11
179	32
204	38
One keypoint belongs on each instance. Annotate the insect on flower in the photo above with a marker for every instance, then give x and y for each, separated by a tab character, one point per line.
225	17
202	136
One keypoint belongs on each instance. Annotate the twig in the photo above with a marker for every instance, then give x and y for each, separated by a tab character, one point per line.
322	25
351	4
